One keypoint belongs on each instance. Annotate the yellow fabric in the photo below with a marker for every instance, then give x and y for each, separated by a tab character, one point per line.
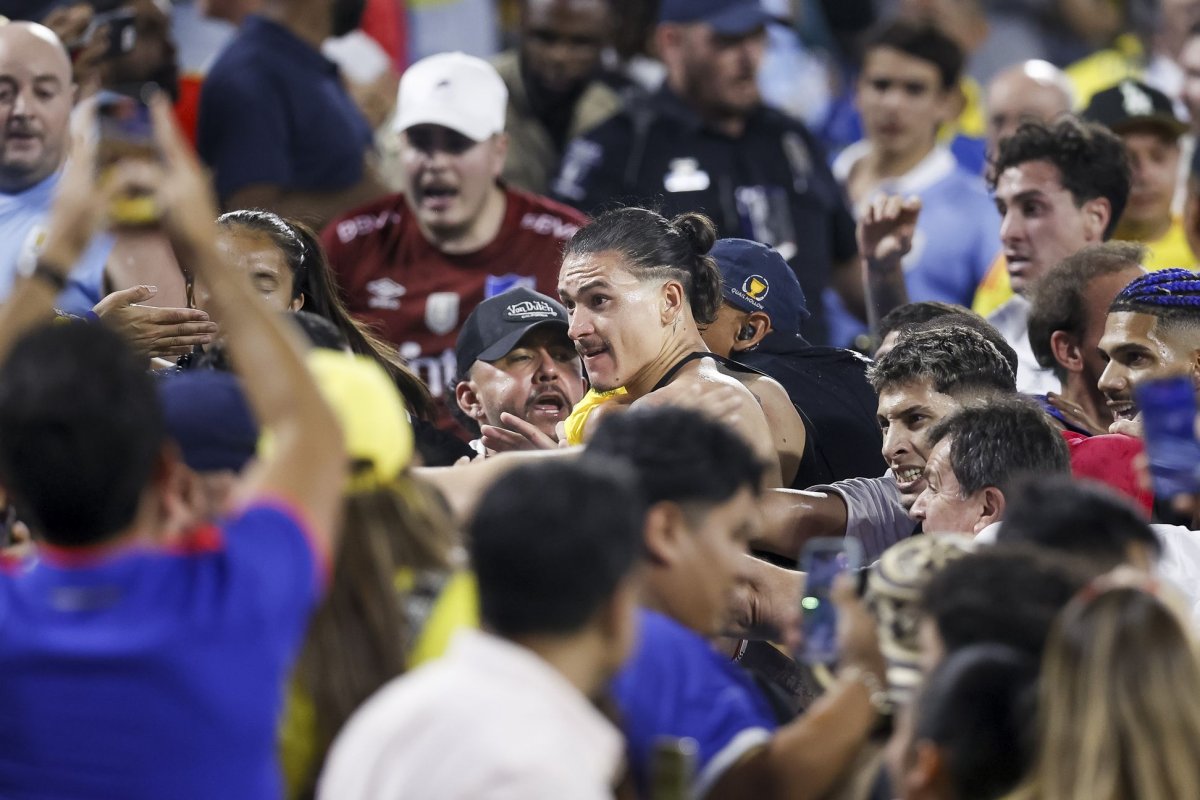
456	608
1105	68
1172	250
994	290
370	411
972	121
575	424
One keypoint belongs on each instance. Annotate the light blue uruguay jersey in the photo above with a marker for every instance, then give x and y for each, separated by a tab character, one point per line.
957	237
23	220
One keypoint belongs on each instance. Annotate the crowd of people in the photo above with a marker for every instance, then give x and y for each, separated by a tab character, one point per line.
384	420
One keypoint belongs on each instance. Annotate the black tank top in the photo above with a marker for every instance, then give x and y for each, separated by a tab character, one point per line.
690	357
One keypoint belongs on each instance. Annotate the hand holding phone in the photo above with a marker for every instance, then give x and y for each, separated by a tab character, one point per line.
1168	411
823	560
124	130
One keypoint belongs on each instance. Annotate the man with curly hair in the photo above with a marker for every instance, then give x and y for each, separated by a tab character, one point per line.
1058	187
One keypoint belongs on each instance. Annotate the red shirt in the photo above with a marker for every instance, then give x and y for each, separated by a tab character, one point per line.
417	297
1109	459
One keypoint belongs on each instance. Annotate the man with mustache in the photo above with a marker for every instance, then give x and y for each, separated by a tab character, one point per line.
415	264
36	96
517	367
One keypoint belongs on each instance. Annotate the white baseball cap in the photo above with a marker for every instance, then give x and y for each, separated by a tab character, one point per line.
455	90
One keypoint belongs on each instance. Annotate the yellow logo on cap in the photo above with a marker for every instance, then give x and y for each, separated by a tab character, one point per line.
756	287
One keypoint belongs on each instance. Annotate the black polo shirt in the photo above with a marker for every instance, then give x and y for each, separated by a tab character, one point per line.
829	386
771	184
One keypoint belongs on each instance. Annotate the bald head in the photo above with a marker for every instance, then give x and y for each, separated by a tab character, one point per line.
1035	90
36	95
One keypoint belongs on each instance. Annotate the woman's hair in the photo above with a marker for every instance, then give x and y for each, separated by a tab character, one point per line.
358	638
1119	703
313	278
655	248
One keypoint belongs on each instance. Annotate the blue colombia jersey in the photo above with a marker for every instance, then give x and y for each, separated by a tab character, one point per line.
154	673
957	237
677	685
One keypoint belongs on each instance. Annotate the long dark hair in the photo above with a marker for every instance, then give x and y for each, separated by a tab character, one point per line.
313	278
655	247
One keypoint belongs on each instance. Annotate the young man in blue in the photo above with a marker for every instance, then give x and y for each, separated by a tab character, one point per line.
133	667
702	485
905	92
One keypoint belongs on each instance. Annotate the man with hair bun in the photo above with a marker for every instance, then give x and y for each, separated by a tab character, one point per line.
636	287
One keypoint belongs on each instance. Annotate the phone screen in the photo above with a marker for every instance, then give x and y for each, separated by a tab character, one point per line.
1168	408
823	560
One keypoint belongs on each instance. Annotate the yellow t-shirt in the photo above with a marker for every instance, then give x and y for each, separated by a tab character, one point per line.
1172	250
576	423
1105	68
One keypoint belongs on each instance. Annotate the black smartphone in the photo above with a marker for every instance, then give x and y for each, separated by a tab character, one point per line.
822	560
122	31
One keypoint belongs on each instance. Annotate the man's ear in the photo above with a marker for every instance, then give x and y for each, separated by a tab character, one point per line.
925	768
753	330
674	298
665	529
1065	348
468	400
993	507
1097	213
298	303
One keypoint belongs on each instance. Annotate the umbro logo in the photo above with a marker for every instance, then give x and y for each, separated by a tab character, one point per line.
385	293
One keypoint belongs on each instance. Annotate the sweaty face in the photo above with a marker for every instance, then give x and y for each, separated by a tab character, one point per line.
943	507
1136	350
901	101
561	41
1015	98
714	560
906	413
540	380
254	254
615	320
36	95
720	73
448	177
1040	222
1154	162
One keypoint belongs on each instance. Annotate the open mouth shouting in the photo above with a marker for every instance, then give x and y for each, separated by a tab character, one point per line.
437	197
549	403
910	478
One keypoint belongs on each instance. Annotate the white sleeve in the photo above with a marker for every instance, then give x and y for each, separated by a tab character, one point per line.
1180	564
874	513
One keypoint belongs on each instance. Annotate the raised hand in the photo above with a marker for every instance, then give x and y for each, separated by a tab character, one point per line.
155	332
885	232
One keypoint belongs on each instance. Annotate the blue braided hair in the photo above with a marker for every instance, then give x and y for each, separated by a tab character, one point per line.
1172	295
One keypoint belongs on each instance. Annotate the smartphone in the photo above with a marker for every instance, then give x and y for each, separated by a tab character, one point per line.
124	130
1168	408
822	560
122	31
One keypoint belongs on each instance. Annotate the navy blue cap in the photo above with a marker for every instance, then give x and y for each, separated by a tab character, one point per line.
498	323
208	417
755	277
727	17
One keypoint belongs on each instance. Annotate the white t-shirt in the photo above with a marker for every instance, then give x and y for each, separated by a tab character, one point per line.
488	720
